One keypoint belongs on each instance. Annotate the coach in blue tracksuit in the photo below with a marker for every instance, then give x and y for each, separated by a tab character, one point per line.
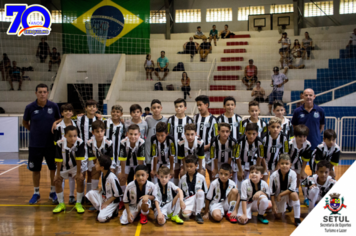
38	119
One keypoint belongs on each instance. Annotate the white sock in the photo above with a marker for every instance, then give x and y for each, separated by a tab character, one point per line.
199	202
71	186
313	195
80	197
176	181
63	184
296	209
37	190
94	183
305	190
263	205
88	187
232	206
53	189
123	189
145	213
176	208
60	197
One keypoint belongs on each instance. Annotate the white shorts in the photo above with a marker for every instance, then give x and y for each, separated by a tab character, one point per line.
165	210
69	173
190	204
87	165
282	205
128	168
222	206
97	200
116	170
116	166
135	209
251	207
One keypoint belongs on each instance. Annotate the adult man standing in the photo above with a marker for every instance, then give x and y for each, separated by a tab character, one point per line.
278	81
38	119
312	116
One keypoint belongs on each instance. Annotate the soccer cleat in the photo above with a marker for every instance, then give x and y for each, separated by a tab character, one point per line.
297	222
78	206
34	199
121	205
53	197
177	219
72	200
143	219
262	219
232	220
199	219
60	207
306	202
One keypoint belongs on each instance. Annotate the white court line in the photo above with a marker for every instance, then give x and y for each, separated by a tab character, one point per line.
12	169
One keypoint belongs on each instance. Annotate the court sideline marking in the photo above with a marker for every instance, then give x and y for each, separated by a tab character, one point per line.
138	229
12	169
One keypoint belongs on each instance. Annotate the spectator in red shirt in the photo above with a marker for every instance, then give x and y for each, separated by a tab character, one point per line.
250	75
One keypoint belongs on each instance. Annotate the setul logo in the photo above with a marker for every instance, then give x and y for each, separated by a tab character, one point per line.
335	204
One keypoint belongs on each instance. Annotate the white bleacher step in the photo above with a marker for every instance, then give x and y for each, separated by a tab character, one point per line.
27	85
17	96
16	107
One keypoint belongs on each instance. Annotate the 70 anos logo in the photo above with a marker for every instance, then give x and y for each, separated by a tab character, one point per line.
20	24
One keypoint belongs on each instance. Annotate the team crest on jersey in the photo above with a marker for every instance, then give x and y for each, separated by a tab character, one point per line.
207	125
36	111
50	110
316	114
302	115
279	145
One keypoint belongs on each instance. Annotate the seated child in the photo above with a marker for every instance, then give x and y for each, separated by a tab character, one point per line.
254	197
318	184
223	197
169	198
282	185
327	150
194	189
138	196
107	198
70	153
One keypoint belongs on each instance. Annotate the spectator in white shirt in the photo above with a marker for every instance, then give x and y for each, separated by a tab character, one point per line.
278	81
285	41
199	34
351	47
298	62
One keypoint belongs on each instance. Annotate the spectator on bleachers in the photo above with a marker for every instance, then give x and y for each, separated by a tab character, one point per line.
43	50
15	74
278	81
297	62
250	75
199	34
205	48
149	66
307	45
5	65
185	84
302	102
191	47
351	47
286	61
162	65
55	58
296	47
285	41
258	92
213	34
226	33
147	112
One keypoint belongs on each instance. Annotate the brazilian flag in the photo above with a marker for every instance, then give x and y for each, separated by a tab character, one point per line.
125	22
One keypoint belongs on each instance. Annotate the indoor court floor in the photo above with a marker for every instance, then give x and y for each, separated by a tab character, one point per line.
17	217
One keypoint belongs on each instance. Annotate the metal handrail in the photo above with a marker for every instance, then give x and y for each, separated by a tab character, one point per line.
195	105
319	94
210	72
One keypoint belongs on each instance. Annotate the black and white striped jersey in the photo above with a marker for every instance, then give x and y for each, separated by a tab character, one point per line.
95	152
234	122
223	152
217	193
313	180
69	156
278	185
115	133
190	188
162	150
111	186
59	131
297	155
184	150
274	148
287	128
248	189
166	196
262	127
84	126
207	127
175	127
322	152
247	152
132	155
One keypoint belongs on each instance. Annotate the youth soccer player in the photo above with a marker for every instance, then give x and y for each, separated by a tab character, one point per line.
132	152
107	198
67	114
138	197
207	129
162	150
70	153
222	196
327	150
223	149
254	197
168	199
275	144
319	184
152	121
249	146
190	144
282	185
254	111
136	113
194	190
231	118
279	111
175	126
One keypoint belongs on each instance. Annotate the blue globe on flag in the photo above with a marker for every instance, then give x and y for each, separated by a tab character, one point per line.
112	16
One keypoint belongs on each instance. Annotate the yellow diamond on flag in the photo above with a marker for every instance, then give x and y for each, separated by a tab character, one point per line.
121	21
